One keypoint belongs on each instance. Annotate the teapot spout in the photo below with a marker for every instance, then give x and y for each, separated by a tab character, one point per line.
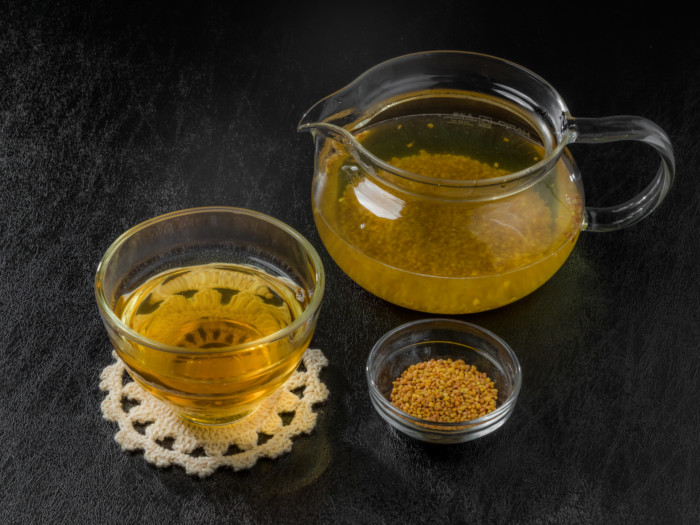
333	118
319	123
329	131
331	115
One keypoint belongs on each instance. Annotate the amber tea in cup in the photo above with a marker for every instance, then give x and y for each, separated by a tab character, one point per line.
210	309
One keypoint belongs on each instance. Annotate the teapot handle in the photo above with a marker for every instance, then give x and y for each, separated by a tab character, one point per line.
613	129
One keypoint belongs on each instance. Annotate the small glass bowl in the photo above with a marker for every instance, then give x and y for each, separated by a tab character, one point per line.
428	339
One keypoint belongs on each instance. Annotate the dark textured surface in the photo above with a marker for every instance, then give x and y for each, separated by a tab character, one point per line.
109	116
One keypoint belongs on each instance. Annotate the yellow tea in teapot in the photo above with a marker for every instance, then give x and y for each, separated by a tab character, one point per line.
198	308
443	181
412	244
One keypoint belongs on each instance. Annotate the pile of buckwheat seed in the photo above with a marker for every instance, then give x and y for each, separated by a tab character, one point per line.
444	390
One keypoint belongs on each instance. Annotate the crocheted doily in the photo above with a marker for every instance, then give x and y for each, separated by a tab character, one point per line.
146	423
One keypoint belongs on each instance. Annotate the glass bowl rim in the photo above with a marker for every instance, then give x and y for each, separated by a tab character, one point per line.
471	425
309	311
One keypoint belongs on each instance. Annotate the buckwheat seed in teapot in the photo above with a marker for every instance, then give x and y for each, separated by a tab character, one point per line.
444	391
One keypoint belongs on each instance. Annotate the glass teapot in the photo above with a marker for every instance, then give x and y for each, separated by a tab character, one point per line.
443	182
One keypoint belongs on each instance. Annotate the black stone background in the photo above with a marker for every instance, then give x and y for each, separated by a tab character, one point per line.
112	113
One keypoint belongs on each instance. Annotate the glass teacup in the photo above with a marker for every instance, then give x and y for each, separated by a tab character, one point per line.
211	309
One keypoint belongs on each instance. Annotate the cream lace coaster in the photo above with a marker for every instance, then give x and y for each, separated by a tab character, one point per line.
147	424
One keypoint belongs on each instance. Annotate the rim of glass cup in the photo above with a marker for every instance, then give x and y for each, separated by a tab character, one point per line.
309	311
470	424
539	167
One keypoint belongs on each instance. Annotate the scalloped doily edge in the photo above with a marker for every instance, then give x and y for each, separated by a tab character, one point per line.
166	439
